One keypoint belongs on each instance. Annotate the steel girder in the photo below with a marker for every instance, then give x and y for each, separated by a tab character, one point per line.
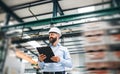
7	9
97	4
44	38
65	18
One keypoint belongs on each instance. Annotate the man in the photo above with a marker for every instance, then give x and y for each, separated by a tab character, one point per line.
62	57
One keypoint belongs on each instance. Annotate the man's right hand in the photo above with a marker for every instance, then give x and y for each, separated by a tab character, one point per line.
42	57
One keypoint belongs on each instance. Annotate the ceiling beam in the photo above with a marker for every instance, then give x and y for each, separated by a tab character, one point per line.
9	11
97	4
34	3
59	9
45	37
7	19
115	3
64	18
69	26
55	8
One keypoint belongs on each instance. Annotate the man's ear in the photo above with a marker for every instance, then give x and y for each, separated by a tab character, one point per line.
58	35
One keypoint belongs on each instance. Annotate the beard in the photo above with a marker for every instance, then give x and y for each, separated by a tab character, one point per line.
52	40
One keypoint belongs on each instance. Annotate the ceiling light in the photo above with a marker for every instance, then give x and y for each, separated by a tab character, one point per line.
86	9
34	44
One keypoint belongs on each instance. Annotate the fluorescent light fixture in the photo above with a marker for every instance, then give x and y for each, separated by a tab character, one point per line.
11	23
34	44
1	24
86	9
26	36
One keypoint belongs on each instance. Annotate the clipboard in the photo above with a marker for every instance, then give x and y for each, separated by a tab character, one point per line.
46	51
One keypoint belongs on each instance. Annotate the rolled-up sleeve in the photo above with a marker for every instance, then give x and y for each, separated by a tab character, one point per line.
41	64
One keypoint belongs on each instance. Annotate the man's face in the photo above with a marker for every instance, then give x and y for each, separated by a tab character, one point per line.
53	37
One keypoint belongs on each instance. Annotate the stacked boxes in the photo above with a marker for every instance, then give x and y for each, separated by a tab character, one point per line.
102	48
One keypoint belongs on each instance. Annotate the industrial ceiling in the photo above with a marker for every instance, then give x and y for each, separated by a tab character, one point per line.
30	10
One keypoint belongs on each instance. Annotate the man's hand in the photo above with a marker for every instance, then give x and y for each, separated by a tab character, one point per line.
42	57
55	59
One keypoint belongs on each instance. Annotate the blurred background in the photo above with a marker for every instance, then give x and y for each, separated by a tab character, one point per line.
90	31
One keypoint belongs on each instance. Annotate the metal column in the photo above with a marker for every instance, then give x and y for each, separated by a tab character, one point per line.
4	44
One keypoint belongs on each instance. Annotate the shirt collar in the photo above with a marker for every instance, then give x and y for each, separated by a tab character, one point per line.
56	45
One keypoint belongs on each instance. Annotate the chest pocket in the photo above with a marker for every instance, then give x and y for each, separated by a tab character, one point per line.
60	53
